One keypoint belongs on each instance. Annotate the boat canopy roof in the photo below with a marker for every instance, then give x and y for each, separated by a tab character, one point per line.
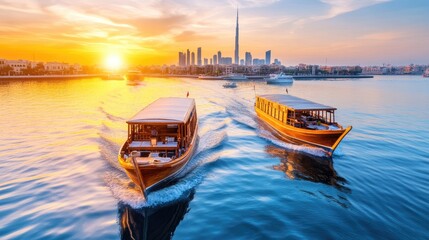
295	103
168	110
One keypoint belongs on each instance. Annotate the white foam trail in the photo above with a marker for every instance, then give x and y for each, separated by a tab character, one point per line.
214	126
124	190
319	152
246	121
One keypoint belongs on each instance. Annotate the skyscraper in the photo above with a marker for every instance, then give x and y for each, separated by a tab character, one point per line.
236	55
199	62
188	57
193	58
248	59
268	57
182	59
219	57
215	59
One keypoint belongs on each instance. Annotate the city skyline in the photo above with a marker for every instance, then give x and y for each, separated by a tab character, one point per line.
351	32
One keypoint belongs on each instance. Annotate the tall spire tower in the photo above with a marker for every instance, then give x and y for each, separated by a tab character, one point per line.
236	55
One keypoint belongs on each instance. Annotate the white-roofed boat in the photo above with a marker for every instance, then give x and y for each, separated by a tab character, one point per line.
161	140
300	119
230	85
279	78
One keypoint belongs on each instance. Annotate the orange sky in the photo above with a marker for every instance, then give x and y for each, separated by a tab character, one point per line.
153	31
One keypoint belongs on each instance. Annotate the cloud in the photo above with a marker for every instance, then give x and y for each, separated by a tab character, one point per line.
28	7
339	7
383	36
191	36
250	3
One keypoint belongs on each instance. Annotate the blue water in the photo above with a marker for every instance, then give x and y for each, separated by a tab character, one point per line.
59	176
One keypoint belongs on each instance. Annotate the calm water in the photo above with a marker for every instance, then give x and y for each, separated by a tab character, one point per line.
59	176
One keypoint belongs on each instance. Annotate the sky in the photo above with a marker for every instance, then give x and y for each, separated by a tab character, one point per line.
146	32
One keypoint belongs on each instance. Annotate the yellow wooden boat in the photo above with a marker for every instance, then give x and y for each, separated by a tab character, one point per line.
161	140
300	119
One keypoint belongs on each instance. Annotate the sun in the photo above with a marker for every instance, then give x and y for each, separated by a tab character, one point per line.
113	62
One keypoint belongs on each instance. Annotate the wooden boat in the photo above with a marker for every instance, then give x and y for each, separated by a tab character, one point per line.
161	140
300	119
134	75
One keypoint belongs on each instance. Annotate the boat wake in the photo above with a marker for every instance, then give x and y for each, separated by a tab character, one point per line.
110	116
319	152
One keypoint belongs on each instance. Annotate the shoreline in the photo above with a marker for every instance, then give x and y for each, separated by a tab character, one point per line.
330	76
50	77
251	77
78	76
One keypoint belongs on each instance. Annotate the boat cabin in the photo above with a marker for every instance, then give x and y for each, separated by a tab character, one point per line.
297	112
163	130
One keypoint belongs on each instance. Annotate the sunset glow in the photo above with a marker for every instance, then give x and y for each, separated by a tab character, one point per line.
153	32
113	62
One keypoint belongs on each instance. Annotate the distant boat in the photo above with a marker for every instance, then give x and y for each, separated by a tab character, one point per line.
230	85
235	77
426	74
300	119
134	75
279	78
161	140
208	77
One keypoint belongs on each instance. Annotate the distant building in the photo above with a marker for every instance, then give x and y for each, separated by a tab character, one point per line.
206	61
228	69
258	61
248	59
277	62
219	57
77	68
182	59
211	61
215	59
56	67
226	60
241	62
188	57
193	58
2	63
17	65
199	62
268	57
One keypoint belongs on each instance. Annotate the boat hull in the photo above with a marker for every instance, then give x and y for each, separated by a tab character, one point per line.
279	81
156	175
326	139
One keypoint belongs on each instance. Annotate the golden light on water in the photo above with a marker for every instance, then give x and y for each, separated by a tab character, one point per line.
113	62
